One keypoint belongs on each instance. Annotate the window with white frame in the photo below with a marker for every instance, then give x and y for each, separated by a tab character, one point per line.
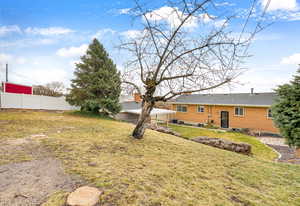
270	113
239	111
200	109
181	108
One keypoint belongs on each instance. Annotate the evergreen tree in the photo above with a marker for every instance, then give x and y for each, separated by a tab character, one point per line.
97	84
286	110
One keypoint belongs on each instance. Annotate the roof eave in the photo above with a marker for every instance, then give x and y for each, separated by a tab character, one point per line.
244	105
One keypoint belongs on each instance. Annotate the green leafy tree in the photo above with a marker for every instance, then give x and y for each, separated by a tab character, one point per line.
286	110
97	84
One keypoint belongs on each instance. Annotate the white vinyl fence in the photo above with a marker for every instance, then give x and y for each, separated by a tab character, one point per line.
25	101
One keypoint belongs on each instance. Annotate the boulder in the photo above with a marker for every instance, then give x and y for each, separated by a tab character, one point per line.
84	196
242	148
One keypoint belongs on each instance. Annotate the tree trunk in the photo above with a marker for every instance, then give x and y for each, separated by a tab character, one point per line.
140	128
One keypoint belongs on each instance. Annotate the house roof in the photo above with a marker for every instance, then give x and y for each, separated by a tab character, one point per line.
136	108
242	99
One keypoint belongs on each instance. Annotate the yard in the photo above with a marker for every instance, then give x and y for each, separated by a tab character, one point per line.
259	150
159	170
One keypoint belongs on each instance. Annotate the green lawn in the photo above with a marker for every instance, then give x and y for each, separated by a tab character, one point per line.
159	170
259	149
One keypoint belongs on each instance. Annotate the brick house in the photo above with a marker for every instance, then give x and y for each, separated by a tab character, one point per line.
240	110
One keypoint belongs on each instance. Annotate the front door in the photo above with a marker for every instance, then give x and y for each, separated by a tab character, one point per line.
224	119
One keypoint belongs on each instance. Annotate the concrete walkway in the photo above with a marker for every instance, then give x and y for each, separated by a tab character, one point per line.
287	154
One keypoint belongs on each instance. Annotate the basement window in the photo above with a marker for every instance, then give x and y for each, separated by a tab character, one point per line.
200	109
239	111
181	108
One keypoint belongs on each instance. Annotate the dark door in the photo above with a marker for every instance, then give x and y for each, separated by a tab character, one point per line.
224	119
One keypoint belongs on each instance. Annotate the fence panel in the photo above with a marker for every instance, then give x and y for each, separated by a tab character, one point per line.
25	101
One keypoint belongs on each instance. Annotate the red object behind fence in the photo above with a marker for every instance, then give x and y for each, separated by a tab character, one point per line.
16	88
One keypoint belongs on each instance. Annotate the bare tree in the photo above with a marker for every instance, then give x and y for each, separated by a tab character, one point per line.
183	49
54	89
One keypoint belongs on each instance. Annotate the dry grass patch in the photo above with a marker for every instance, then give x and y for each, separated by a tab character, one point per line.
57	199
259	150
161	169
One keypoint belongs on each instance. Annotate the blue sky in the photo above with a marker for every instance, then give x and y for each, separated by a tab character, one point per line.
41	40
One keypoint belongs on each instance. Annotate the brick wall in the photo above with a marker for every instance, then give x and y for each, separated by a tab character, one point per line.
254	118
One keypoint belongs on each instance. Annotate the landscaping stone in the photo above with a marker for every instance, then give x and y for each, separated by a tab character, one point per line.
84	196
242	148
164	130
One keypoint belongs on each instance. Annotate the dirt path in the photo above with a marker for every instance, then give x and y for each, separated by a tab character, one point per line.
29	183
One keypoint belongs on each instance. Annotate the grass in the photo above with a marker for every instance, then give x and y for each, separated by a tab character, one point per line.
56	199
259	149
160	169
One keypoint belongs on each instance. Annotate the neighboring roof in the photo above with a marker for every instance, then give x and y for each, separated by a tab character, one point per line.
125	98
136	108
131	105
155	111
242	99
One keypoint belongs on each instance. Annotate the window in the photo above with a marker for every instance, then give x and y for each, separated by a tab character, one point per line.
200	109
239	111
181	108
270	113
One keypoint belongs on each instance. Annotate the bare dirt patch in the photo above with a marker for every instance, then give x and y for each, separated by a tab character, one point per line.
29	173
29	183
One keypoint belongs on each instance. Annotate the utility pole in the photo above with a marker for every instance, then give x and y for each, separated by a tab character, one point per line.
6	72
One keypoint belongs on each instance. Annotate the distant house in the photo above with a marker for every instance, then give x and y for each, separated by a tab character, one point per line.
132	107
240	110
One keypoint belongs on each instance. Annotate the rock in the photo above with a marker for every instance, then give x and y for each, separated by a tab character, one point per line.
242	148
84	196
164	130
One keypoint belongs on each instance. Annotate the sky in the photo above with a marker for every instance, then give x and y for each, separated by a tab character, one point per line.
42	39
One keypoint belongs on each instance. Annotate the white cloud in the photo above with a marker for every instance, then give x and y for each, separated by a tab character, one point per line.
225	4
293	59
72	51
26	42
21	60
289	5
40	70
124	11
173	16
131	34
294	16
50	31
220	23
4	30
7	58
101	33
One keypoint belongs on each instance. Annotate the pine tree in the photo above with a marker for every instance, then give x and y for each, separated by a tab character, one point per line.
286	110
97	84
